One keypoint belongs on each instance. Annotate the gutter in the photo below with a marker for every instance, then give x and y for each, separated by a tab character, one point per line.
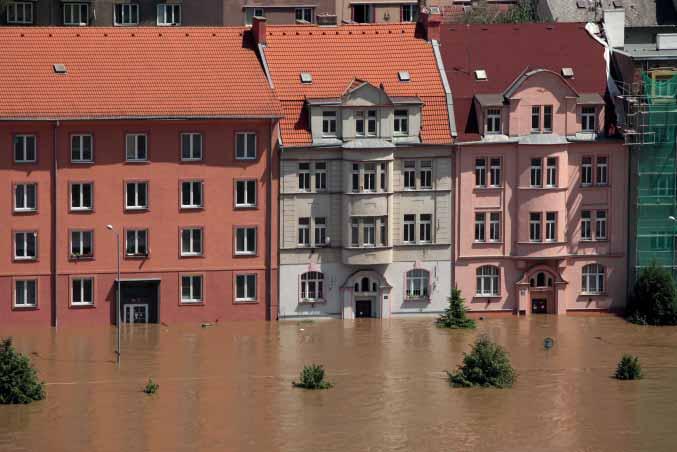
53	226
447	87
137	118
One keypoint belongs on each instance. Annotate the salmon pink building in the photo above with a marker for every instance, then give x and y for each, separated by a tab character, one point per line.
540	180
163	138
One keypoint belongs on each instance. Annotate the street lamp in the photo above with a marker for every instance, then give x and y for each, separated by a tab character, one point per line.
674	222
117	295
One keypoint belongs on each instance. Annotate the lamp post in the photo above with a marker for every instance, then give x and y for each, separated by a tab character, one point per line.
117	295
674	222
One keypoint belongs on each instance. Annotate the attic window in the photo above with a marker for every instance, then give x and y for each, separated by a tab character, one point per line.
480	74
404	76
306	77
582	3
434	10
60	69
567	72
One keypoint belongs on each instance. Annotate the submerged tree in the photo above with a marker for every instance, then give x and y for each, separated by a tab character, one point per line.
455	315
487	365
19	381
628	368
653	300
312	377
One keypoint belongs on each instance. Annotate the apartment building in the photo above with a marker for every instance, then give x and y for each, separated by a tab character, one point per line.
366	169
541	180
142	151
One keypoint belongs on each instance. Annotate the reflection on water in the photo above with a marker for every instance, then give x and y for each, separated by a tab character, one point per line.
228	388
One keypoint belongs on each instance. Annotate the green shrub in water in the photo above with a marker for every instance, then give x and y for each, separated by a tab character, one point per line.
653	300
455	315
487	365
629	368
312	377
19	381
151	387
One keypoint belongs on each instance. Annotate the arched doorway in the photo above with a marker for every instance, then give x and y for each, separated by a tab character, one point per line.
365	295
539	289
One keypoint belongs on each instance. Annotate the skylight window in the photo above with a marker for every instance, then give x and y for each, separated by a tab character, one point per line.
306	77
60	69
567	72
404	76
480	74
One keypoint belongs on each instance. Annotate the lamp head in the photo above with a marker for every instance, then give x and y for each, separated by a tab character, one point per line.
671	218
109	227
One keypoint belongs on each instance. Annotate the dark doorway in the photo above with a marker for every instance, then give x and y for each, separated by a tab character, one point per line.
539	306
139	301
362	308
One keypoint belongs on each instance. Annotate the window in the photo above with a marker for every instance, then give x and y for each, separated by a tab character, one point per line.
409	13
551	172
371	122
536	173
588	119
304	14
75	13
191	146
487	280
355	232
82	196
245	193
126	14
359	123
82	291
168	14
20	13
401	122
81	244
369	176
136	195
191	194
495	227
494	120
304	176
425	228
535	226
602	171
410	175
191	242
245	241
25	197
600	225
191	289
383	226
382	176
304	231
320	231
356	177
137	147
136	242
417	283
495	172
363	14
479	226
426	174
25	293
24	149
586	171
312	286
540	280
329	123
593	279
550	226
81	149
480	172
536	118
25	245
245	146
409	228
245	288
547	118
320	176
368	232
586	225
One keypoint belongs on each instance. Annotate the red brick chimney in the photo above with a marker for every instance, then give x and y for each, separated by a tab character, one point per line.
259	29
431	19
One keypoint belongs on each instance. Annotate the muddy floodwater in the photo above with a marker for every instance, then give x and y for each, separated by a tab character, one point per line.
228	388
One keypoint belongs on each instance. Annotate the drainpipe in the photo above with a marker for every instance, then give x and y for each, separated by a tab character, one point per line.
53	225
269	218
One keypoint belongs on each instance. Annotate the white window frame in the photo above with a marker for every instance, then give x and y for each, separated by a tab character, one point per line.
13	16
359	123
192	248
25	207
78	205
194	142
495	170
24	290
74	10
23	236
249	289
588	119
493	122
245	241
169	10
417	284
487	281
78	238
133	152
409	228
601	225
311	286
409	12
401	123
586	225
369	177
593	279
536	173
195	194
305	13
82	292
21	144
480	225
586	171
304	177
320	176
247	151
329	123
480	172
425	228
372	123
494	226
303	239
137	186
602	170
191	282
551	226
551	172
547	118
136	234
409	174
126	10
369	12
535	232
320	231
243	186
426	174
535	119
369	232
78	148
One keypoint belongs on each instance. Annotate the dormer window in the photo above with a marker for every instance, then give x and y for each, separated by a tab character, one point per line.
547	118
401	122
371	122
494	120
588	119
329	123
536	118
359	123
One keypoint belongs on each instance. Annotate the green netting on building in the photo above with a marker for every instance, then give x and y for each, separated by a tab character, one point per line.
655	168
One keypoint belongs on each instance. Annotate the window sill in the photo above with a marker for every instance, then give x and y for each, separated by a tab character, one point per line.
87	210
82	162
487	242
25	212
237	254
245	158
589	186
80	258
82	306
417	299
23	162
488	187
593	294
136	161
192	208
136	209
25	308
191	160
190	256
25	259
245	302
137	256
312	302
191	303
545	187
245	207
485	296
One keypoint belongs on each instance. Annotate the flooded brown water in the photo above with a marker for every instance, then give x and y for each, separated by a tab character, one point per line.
228	388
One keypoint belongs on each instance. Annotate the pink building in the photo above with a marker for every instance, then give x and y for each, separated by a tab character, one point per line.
541	223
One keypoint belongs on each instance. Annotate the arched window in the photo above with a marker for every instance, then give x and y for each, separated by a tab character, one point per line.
312	286
487	280
540	280
417	283
593	279
365	285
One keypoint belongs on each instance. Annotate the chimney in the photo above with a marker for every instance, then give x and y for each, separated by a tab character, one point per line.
259	29
430	19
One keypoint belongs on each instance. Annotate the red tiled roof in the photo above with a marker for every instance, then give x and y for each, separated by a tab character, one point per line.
505	50
130	73
335	56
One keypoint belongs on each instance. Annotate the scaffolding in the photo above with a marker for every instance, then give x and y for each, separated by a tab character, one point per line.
650	127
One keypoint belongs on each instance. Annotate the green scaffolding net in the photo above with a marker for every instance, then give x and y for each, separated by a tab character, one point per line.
655	172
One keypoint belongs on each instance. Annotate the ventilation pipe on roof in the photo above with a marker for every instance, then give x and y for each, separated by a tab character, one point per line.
430	19
259	29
